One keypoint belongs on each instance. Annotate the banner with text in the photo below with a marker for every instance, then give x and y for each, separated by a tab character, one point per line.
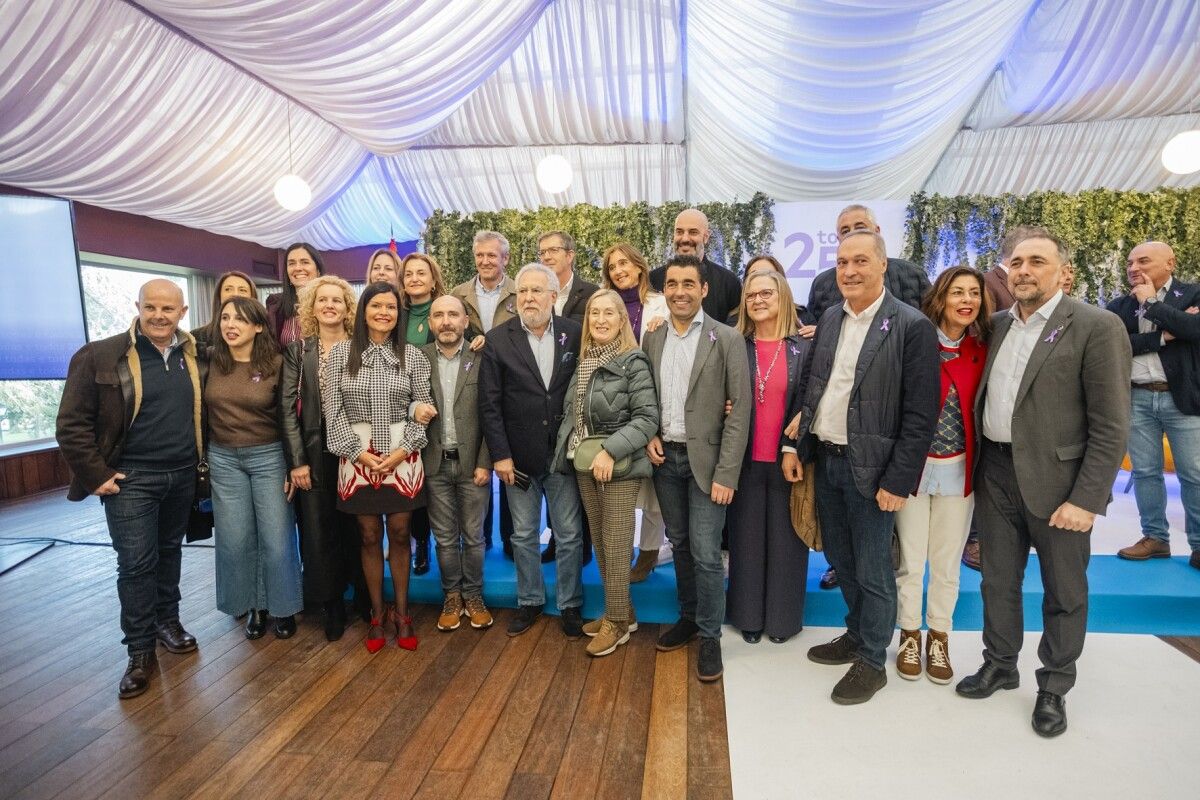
806	236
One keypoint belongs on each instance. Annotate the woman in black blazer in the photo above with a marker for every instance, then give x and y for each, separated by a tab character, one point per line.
329	538
768	563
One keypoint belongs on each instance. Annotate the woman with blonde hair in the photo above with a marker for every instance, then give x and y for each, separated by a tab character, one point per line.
768	563
610	413
329	542
625	271
383	267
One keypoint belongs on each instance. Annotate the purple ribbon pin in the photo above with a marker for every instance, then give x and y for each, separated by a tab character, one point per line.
712	336
1141	312
467	366
181	364
562	339
510	307
1177	293
792	347
256	377
887	325
1053	335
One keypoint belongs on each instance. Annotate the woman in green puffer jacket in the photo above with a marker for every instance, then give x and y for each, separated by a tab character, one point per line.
609	415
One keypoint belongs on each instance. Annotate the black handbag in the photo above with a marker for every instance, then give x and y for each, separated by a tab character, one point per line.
200	519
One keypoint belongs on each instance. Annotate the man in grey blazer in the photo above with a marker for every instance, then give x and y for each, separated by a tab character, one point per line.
458	469
1053	409
699	364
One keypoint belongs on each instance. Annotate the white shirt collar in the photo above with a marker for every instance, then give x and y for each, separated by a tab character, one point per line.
868	312
479	289
549	328
696	321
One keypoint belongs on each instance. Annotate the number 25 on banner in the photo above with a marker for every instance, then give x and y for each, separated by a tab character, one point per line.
826	254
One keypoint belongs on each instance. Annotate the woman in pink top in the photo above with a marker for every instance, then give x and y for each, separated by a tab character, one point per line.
768	563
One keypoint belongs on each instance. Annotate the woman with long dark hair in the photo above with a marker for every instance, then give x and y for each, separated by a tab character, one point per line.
934	523
370	382
258	558
329	537
768	563
230	284
302	263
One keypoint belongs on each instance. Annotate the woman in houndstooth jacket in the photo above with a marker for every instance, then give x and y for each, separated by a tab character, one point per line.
370	383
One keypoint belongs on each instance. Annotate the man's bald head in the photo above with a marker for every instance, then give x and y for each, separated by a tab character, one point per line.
448	320
160	306
1151	262
691	233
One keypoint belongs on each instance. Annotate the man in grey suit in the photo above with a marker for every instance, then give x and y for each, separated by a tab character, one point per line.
458	469
1053	408
699	364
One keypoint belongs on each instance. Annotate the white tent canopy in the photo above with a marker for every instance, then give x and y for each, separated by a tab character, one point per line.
180	110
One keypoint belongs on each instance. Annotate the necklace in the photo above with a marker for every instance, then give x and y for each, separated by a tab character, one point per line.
760	379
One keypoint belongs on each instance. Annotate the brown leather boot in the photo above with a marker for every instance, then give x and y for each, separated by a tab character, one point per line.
937	658
908	657
646	561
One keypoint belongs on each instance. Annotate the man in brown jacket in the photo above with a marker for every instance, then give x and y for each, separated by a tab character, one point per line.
129	428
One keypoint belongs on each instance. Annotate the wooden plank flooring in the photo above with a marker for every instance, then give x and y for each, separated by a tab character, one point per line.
470	714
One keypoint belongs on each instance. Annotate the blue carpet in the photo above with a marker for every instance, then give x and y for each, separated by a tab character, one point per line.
1157	597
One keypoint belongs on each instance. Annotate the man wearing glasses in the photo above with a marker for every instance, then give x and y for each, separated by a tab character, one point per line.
556	250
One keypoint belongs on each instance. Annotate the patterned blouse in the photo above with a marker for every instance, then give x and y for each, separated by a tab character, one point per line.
379	394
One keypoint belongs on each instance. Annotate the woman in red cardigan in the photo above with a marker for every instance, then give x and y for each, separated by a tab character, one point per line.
934	523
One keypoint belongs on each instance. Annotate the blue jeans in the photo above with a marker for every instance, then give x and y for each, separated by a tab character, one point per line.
258	556
1153	414
147	520
858	544
562	501
694	524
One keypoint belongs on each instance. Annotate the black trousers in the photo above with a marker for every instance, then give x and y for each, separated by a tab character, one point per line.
768	564
1004	552
329	540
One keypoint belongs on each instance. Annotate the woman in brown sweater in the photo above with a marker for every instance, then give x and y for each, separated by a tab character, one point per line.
258	557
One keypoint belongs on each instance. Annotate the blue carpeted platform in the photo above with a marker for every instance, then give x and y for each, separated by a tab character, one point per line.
1159	597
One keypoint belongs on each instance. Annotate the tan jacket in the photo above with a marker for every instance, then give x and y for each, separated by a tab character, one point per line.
506	308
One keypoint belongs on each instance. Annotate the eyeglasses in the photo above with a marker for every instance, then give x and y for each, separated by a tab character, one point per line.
546	250
764	295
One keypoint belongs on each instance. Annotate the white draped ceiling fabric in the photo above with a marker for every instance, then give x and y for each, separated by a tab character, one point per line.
180	110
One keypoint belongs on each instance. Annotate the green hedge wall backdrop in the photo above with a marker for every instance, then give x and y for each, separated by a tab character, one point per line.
1100	225
739	230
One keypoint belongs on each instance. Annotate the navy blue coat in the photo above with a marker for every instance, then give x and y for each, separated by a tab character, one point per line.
1181	356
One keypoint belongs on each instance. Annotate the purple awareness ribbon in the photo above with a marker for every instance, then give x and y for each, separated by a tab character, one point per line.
712	336
1177	293
468	365
1053	335
887	325
562	339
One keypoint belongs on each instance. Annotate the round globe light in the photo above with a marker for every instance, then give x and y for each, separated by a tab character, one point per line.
292	192
554	174
1181	155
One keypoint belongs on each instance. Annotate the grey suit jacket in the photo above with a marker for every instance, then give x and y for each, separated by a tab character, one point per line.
1071	419
472	449
716	443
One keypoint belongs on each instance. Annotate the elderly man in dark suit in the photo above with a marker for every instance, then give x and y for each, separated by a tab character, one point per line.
458	468
690	238
1053	408
556	249
1160	316
868	415
527	366
699	364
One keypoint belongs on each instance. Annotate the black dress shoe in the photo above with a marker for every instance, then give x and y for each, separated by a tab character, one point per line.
779	639
678	635
550	552
256	624
1049	714
572	623
987	681
335	620
175	638
137	675
285	627
752	637
1194	561
842	650
829	579
523	620
421	557
708	663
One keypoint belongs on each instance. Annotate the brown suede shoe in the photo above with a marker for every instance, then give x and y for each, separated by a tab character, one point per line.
970	556
1145	549
937	658
646	561
452	612
908	657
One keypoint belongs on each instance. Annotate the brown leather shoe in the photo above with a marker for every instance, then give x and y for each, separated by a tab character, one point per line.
908	655
647	560
970	556
1145	549
937	658
136	679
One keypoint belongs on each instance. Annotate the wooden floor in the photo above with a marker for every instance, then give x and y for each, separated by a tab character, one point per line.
469	714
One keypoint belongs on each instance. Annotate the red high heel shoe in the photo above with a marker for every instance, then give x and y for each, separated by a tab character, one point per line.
406	638
375	642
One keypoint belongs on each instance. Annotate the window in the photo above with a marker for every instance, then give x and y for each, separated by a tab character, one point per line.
28	409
